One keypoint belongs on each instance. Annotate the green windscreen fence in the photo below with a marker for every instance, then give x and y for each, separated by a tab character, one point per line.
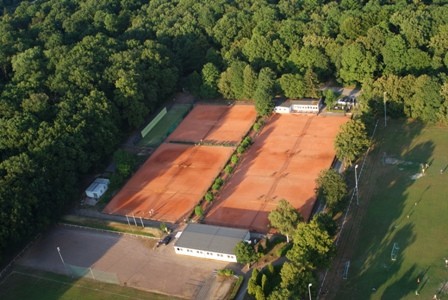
165	126
154	122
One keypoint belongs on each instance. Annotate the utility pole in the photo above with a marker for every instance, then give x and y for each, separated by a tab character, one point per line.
356	185
385	109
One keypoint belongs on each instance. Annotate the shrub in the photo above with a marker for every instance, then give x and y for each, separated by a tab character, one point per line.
246	142
259	294
209	197
228	169
226	272
253	282
234	159
217	184
256	127
240	149
198	211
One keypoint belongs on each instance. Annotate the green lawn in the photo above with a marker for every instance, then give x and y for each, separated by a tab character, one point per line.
410	212
166	125
27	284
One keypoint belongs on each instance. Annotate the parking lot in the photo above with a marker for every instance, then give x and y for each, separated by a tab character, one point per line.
135	261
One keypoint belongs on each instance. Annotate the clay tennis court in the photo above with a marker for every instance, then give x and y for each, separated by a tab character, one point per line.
170	183
215	123
283	163
177	175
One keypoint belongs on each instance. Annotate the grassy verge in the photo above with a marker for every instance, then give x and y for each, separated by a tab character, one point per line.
112	226
25	283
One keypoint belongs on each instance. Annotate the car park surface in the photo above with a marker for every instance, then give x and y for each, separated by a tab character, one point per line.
134	260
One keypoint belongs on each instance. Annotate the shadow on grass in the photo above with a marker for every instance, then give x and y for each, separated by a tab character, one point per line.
387	218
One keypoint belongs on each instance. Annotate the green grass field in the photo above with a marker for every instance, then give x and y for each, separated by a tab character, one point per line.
166	125
403	210
27	284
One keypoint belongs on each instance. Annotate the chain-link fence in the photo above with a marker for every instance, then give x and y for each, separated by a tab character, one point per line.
92	273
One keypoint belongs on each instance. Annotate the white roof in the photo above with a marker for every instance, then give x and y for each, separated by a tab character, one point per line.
97	185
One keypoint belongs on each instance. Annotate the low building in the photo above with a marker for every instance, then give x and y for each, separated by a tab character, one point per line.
209	241
305	105
284	108
97	188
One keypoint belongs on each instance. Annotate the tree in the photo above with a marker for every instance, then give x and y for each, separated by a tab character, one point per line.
327	223
311	84
198	211
331	187
285	218
245	253
312	246
331	97
426	100
351	141
357	64
310	57
293	85
210	75
264	93
394	55
231	82
253	282
295	278
249	82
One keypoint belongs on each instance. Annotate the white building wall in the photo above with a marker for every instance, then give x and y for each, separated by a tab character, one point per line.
205	254
306	108
282	109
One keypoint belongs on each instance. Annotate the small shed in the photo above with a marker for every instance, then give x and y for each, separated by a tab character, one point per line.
283	108
209	241
97	188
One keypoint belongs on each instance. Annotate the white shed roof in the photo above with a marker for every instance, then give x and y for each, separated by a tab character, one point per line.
96	186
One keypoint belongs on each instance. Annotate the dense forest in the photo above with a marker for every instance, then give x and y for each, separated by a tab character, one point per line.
77	75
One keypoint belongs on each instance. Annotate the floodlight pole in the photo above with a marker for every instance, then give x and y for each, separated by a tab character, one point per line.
356	185
63	262
385	109
309	289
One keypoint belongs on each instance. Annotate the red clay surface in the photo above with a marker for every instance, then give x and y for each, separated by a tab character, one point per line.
170	183
215	123
283	163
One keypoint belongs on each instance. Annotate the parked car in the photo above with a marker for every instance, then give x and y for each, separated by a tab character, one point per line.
165	241
343	101
347	100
